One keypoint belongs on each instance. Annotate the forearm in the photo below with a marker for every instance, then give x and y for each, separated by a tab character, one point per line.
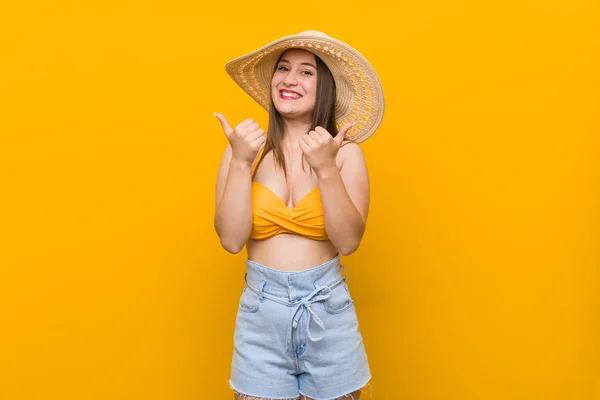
343	222
233	216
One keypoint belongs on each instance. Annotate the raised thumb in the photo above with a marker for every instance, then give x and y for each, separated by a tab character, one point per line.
339	138
224	123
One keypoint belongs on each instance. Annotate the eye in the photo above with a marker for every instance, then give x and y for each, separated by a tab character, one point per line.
307	73
283	68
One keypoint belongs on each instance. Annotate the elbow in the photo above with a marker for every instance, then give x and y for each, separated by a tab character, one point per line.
350	243
230	240
230	244
346	251
348	248
232	247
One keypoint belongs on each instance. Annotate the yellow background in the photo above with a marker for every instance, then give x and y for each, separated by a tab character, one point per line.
477	277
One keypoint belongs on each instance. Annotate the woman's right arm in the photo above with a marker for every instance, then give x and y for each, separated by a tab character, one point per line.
233	210
233	216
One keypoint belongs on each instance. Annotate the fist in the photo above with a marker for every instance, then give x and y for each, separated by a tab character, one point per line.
245	139
320	148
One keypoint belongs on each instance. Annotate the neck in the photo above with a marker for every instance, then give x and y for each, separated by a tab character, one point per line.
294	130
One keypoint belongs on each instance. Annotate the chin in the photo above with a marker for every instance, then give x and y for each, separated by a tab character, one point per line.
290	112
285	110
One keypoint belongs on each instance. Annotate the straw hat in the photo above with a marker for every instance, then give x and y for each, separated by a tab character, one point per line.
358	90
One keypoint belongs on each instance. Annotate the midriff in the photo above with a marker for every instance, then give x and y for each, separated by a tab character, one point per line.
290	252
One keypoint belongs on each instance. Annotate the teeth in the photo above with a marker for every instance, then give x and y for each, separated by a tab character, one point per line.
290	95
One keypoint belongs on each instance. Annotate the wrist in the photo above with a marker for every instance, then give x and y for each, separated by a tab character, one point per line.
241	164
327	173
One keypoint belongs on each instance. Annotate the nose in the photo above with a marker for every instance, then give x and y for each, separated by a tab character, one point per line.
290	79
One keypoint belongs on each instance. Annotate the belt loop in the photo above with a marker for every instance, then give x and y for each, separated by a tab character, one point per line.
262	290
245	276
345	272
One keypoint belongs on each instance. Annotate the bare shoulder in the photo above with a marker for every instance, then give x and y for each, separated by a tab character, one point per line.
350	153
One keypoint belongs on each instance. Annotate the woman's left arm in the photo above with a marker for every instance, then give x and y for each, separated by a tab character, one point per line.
345	198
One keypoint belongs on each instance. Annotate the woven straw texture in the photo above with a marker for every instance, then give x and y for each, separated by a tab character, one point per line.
359	93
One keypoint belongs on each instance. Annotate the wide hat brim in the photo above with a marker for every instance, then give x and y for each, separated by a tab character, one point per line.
359	96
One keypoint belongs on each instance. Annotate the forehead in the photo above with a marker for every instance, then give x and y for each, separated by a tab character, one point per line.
299	55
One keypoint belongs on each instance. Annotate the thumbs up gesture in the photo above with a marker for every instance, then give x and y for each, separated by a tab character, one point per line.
246	139
320	148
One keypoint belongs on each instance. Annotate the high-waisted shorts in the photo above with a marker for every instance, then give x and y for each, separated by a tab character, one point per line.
297	333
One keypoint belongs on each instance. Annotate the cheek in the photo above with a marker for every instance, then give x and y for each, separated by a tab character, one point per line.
313	89
313	94
274	82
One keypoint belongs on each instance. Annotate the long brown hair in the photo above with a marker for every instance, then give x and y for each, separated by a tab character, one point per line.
323	115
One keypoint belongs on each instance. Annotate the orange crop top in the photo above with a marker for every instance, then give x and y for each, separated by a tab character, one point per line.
271	216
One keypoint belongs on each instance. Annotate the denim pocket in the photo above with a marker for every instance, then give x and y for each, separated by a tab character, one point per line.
249	301
339	301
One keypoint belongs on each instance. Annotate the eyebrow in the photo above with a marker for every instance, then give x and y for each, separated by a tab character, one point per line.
304	63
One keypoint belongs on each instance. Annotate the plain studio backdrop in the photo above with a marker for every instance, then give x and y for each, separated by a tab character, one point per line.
477	278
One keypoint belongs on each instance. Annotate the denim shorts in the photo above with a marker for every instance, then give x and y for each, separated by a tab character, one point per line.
297	333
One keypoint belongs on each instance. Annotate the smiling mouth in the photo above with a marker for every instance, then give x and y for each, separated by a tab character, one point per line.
284	94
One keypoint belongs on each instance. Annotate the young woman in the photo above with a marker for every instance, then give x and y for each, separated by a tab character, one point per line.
296	197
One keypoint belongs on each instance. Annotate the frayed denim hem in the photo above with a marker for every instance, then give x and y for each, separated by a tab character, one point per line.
243	396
